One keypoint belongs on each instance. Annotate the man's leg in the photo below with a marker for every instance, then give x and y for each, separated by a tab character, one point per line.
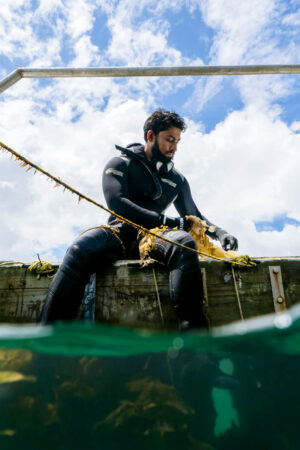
185	280
89	252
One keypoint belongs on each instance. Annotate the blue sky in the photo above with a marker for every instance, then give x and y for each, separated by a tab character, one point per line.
240	152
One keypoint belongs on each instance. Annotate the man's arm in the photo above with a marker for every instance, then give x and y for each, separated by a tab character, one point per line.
185	205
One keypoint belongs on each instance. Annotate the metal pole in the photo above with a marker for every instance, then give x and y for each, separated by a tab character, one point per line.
146	72
10	80
159	71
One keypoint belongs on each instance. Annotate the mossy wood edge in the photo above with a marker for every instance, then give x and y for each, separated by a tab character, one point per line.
126	294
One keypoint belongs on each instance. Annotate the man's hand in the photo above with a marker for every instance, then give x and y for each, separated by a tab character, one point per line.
228	242
188	223
182	223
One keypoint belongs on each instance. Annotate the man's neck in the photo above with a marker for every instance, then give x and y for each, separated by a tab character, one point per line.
148	151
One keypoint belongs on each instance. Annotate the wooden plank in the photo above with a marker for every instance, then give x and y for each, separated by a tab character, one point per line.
21	294
126	294
223	300
254	289
20	305
12	277
205	296
253	286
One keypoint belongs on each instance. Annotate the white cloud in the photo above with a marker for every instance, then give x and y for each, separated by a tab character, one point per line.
204	91
270	243
240	27
40	34
248	33
140	45
245	171
19	34
292	19
264	91
6	184
141	48
295	126
80	17
86	54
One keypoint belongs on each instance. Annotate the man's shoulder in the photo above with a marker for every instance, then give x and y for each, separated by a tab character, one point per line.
126	157
176	174
116	166
118	160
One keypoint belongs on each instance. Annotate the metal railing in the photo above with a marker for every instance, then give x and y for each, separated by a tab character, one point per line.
180	71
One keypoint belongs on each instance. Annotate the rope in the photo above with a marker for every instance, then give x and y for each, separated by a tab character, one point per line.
58	182
158	297
11	263
40	267
242	260
237	293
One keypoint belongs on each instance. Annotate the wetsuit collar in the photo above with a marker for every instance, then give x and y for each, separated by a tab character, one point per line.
164	167
139	150
160	166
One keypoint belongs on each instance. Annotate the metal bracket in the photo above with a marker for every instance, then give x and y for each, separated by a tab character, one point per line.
277	288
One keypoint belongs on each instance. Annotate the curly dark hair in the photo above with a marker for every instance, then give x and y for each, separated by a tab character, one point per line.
161	120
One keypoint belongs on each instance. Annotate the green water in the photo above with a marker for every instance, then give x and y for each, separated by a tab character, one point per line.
83	386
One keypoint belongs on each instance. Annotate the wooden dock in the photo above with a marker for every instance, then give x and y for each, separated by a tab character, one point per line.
129	295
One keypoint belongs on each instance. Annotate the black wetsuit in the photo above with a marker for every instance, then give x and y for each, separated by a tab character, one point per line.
135	189
140	190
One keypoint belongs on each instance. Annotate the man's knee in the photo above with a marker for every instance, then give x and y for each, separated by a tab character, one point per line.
184	238
181	257
87	247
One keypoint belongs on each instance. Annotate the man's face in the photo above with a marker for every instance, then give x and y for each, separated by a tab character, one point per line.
166	142
164	145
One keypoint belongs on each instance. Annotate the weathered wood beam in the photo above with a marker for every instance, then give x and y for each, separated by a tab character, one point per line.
127	294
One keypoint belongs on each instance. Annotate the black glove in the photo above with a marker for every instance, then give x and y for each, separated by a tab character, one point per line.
182	223
228	242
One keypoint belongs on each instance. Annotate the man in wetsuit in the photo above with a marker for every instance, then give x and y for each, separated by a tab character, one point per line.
139	184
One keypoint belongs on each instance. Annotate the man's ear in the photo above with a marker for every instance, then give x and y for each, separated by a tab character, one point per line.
150	136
